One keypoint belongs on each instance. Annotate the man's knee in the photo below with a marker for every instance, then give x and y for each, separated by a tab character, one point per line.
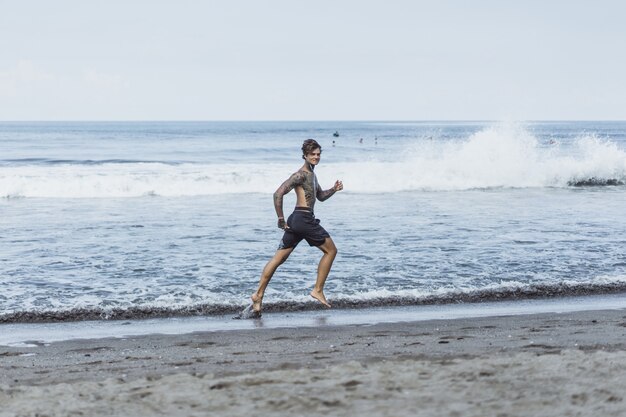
282	255
333	250
329	247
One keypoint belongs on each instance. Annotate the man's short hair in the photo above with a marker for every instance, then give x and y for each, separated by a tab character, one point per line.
309	146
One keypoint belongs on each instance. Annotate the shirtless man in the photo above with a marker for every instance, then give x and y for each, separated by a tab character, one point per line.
302	224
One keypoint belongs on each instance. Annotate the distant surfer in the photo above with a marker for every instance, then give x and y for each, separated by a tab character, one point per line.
301	224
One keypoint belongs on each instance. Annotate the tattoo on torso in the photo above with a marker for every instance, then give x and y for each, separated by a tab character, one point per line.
303	179
308	182
308	185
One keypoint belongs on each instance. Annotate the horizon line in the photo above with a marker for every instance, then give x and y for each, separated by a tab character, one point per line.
301	120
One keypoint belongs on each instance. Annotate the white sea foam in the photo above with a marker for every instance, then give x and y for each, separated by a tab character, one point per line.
213	303
135	180
504	156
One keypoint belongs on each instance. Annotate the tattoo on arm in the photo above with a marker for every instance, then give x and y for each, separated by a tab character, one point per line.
324	194
295	179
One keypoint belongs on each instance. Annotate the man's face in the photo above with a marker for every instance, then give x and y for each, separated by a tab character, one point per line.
313	158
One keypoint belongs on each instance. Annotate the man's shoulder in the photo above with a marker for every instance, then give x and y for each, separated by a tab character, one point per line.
300	174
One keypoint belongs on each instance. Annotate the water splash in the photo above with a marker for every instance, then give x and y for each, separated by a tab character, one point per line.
248	313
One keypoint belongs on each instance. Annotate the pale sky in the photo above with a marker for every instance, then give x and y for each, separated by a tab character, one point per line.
312	60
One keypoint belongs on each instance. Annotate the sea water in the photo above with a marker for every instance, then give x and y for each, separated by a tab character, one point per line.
104	220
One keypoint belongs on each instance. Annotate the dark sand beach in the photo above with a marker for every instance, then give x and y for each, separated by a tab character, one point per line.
546	364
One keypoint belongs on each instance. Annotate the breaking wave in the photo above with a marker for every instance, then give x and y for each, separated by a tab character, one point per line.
496	157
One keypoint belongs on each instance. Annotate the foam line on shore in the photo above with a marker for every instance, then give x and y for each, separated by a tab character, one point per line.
34	334
497	292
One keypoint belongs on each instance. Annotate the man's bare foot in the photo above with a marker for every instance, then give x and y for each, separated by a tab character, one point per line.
319	296
256	302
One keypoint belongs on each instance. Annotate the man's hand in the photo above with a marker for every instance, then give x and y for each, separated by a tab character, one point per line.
338	186
282	224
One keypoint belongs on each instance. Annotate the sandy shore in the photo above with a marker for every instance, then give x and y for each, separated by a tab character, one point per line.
528	365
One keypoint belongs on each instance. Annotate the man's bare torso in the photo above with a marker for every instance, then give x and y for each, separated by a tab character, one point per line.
305	184
305	191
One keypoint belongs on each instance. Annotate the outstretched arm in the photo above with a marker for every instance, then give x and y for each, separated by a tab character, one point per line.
296	179
325	194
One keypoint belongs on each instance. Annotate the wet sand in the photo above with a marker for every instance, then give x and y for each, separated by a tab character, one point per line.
532	365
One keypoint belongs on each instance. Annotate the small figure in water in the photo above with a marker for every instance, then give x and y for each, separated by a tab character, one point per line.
361	140
301	224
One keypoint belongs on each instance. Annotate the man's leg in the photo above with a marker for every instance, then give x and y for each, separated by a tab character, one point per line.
280	256
330	251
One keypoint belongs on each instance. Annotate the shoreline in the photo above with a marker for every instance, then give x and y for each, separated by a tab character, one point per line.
538	364
539	292
35	334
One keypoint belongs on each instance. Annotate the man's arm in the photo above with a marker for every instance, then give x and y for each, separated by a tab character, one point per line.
296	178
325	194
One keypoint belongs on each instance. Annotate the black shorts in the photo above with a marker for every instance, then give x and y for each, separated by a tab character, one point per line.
303	225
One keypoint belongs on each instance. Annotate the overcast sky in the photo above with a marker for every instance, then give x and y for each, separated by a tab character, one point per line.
312	60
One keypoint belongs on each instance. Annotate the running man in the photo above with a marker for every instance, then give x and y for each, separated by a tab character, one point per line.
302	224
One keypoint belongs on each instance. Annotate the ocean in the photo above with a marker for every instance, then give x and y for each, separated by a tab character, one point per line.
112	220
